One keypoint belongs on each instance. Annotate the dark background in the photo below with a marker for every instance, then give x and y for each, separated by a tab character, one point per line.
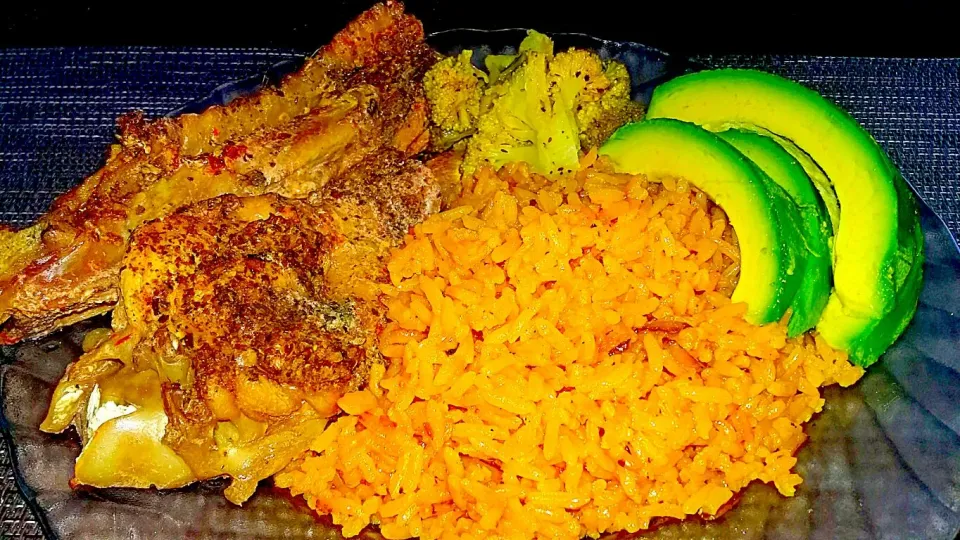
684	27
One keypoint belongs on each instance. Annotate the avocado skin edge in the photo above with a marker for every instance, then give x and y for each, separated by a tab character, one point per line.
908	276
822	185
814	223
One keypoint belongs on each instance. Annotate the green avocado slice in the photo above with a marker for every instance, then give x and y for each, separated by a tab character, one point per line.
755	205
847	154
877	243
815	228
876	335
813	171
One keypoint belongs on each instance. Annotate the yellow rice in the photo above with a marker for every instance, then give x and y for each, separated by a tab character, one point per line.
565	361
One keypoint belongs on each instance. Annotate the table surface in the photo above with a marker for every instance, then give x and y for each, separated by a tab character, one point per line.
58	107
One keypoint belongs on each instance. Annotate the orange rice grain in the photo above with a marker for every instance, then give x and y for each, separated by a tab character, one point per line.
564	361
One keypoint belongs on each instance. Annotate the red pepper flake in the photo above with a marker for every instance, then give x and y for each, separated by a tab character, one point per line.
216	132
234	151
670	327
216	163
122	340
622	346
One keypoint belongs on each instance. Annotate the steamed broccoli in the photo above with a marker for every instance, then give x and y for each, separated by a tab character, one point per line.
498	64
599	118
536	42
524	123
597	91
454	87
534	106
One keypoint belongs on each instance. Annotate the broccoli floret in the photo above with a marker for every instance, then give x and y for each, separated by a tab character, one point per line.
524	123
536	42
575	76
499	64
598	91
598	119
453	88
534	106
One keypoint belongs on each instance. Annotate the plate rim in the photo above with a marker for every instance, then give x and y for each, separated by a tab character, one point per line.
271	75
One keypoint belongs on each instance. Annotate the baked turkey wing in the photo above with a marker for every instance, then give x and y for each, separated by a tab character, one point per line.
242	321
359	95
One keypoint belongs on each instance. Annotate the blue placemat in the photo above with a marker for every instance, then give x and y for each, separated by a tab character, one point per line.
58	107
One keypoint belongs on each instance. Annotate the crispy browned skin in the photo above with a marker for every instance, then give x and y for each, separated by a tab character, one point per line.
360	95
255	312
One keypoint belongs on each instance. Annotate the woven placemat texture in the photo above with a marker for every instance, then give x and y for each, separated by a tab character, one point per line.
58	108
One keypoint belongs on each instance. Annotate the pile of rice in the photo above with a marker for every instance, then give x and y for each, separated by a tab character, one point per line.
565	361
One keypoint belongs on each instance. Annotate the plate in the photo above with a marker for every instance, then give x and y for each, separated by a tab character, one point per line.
882	461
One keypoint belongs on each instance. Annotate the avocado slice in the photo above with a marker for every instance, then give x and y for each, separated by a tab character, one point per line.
867	339
813	171
815	231
877	243
847	154
759	211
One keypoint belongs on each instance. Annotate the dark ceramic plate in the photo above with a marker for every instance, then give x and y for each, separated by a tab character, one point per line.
883	460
